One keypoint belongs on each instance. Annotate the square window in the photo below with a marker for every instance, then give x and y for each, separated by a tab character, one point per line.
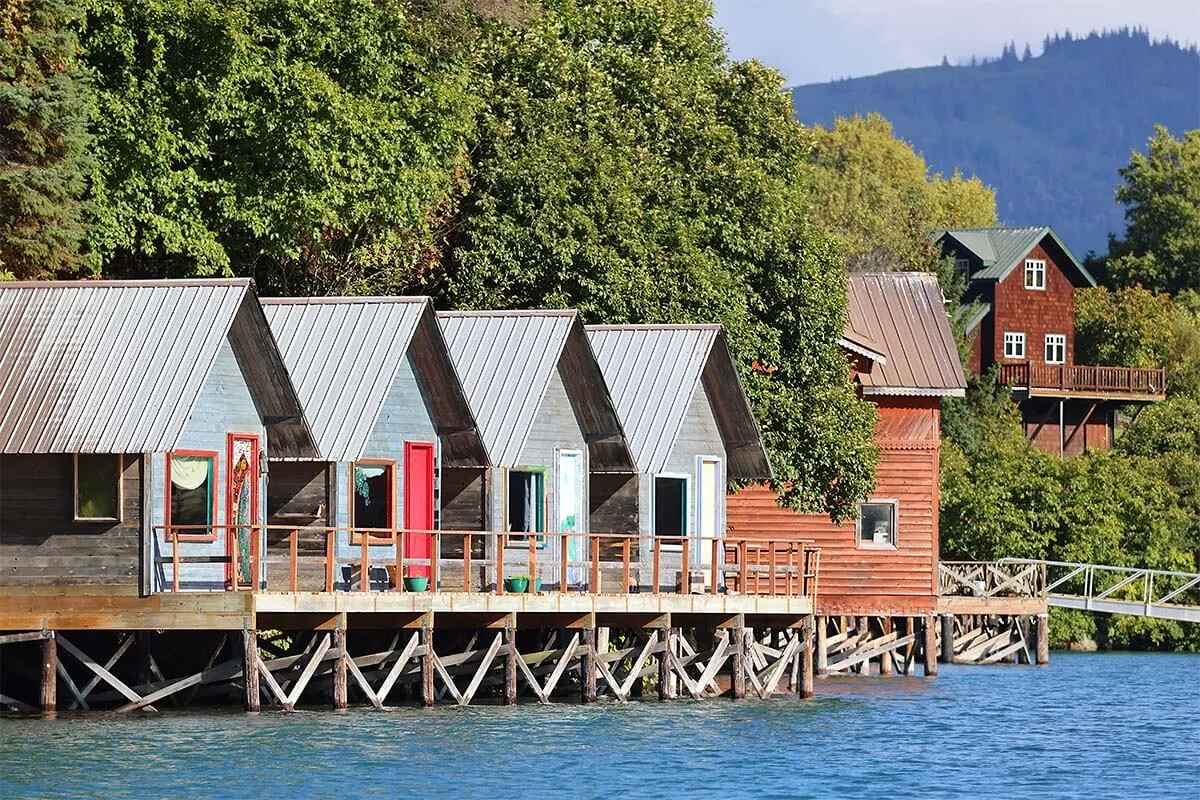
1035	273
526	503
877	523
98	487
1056	348
1014	344
374	497
192	498
963	265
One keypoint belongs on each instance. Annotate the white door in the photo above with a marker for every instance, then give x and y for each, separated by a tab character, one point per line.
570	510
708	509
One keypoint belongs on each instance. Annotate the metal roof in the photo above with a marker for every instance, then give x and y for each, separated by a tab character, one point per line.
343	354
1000	250
116	366
505	360
905	310
652	372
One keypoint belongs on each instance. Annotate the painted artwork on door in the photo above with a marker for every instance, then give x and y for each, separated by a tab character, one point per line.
570	509
241	500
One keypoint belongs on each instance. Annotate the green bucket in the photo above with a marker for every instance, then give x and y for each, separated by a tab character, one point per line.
416	583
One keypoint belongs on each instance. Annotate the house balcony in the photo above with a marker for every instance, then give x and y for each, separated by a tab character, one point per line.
1123	384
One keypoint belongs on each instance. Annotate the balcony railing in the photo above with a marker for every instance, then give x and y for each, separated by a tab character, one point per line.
1085	379
313	559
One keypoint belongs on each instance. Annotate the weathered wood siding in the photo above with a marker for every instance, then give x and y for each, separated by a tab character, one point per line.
42	544
1034	312
297	496
614	509
1080	431
463	507
858	580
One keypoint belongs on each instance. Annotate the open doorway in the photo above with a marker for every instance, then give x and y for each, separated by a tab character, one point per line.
670	511
526	503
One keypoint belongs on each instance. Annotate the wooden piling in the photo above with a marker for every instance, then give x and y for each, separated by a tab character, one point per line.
339	668
1023	630
661	658
510	666
885	659
587	666
947	653
673	648
806	664
49	699
737	664
252	702
930	648
1043	639
910	658
822	648
427	694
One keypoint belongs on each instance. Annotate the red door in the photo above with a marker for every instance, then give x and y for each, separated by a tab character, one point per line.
418	503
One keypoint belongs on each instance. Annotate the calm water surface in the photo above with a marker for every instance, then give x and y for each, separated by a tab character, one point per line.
1108	725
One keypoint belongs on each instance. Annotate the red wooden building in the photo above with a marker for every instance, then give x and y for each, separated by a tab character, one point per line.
884	563
1021	291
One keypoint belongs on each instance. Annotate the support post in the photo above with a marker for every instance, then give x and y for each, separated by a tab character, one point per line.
427	695
587	666
1043	639
885	659
1023	632
142	643
822	648
806	663
930	648
49	700
510	664
661	658
673	648
737	661
253	699
339	666
947	655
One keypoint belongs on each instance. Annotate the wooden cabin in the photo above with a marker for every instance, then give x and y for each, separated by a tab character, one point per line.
132	412
1020	313
550	430
690	430
904	359
390	421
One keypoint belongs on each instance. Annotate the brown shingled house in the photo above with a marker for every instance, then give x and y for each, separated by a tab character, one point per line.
904	360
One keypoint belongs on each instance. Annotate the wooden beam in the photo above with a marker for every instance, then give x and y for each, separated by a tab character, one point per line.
91	664
406	655
484	666
273	685
32	636
306	675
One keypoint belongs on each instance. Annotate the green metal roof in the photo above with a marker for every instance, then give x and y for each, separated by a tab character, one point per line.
972	314
1001	250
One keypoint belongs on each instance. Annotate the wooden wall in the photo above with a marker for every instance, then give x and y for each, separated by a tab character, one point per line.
855	579
614	509
1032	311
298	495
464	507
40	541
1081	430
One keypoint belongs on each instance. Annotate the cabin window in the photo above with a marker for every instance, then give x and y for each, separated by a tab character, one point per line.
1056	348
191	502
877	523
526	503
1035	273
374	496
963	265
1014	345
670	510
98	487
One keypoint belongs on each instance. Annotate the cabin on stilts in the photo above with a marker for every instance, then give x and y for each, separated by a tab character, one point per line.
879	571
691	431
391	422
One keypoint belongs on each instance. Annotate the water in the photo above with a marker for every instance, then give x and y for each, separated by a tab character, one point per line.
1090	725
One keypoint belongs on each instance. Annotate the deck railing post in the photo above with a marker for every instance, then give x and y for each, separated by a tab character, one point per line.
594	581
716	565
625	565
256	536
657	566
685	567
435	562
330	552
398	547
174	560
233	559
533	563
499	537
743	573
467	564
364	580
294	560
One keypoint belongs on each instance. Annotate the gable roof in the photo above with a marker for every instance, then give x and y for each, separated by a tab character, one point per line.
905	310
653	372
344	354
117	366
1000	250
505	360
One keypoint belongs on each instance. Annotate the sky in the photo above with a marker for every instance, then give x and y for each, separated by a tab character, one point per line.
813	41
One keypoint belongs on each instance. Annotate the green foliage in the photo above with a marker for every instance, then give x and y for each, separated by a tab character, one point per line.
624	166
1048	132
1161	194
313	143
43	135
1125	327
1070	627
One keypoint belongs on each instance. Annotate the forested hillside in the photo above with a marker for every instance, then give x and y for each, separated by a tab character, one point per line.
1047	132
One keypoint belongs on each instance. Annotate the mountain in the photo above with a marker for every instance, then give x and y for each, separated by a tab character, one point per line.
1048	132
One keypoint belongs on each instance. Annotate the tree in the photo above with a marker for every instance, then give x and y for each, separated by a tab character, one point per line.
44	108
624	166
313	143
1161	194
1129	327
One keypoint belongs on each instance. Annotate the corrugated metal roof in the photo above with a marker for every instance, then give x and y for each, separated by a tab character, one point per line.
905	310
652	373
505	360
1000	250
116	366
343	355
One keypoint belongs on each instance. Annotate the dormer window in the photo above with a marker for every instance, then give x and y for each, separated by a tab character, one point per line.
1035	273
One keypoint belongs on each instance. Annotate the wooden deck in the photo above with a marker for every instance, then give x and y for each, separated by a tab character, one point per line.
1126	384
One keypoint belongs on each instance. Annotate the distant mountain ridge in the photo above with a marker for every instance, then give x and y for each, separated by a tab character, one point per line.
1049	133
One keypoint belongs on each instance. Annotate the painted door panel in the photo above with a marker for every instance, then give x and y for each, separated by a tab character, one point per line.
241	506
708	514
570	509
418	503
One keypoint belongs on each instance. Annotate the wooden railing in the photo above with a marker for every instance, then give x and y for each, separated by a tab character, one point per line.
991	579
289	559
1085	378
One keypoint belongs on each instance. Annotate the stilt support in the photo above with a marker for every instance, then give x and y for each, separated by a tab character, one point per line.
510	665
1043	639
587	667
930	648
737	670
427	693
885	658
806	662
339	669
49	701
947	654
253	701
822	646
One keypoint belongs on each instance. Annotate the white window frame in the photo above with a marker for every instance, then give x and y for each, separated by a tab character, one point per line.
120	490
1059	341
860	543
1035	269
1014	338
688	501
